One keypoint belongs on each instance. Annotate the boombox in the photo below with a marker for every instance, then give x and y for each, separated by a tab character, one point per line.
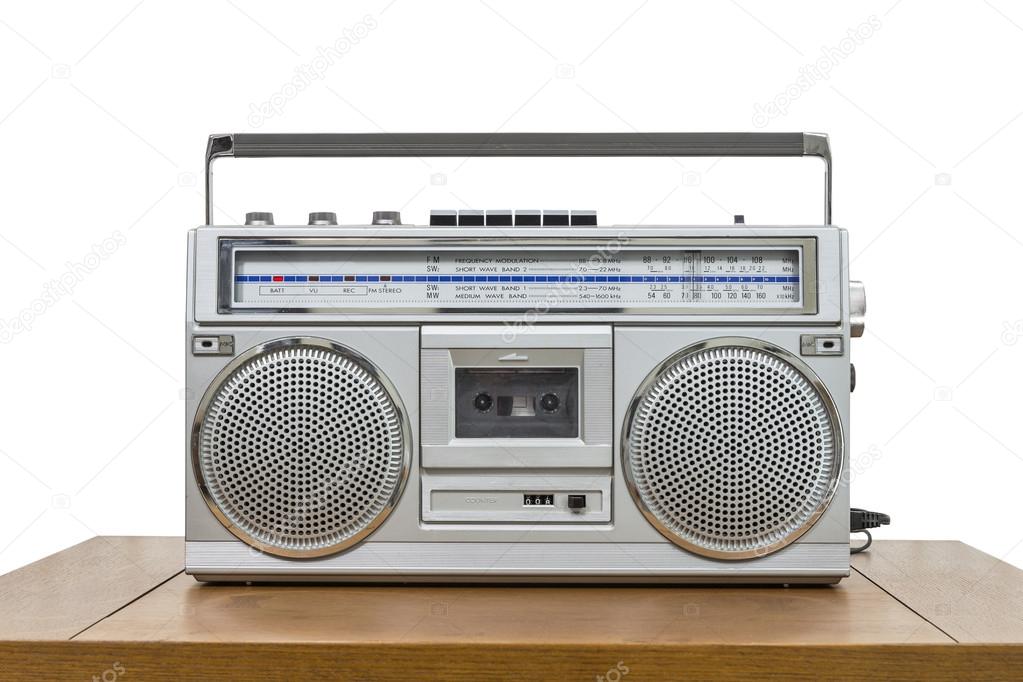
518	396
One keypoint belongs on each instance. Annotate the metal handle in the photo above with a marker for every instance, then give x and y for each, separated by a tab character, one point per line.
263	145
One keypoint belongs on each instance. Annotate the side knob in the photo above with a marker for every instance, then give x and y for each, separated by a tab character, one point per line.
857	309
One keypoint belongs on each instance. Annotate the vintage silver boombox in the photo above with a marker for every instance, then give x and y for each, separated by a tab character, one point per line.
518	395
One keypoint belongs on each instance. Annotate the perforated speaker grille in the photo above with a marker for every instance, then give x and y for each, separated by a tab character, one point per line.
731	450
302	450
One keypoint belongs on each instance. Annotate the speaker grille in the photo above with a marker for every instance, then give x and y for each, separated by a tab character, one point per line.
731	450
302	450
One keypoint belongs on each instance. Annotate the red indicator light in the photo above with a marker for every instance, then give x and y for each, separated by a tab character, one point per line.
349	278
314	278
278	278
385	278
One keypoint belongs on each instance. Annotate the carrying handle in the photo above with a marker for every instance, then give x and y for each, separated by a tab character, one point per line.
264	145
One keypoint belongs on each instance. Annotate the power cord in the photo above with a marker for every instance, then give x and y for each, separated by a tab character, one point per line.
860	520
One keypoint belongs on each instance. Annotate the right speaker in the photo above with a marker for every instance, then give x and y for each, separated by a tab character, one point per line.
732	448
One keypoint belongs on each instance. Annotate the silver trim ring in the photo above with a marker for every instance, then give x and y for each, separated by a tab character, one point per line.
799	366
290	342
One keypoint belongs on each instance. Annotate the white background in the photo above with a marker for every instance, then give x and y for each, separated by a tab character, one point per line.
105	110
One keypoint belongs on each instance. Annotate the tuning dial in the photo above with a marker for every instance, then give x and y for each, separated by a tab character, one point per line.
386	218
259	218
323	218
857	308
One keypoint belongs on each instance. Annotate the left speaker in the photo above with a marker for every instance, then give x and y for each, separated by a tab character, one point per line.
301	447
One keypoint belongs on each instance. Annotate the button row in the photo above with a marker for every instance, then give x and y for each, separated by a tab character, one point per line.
505	218
464	218
324	218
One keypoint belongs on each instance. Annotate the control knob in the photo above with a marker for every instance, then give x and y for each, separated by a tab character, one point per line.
259	218
386	218
323	218
857	308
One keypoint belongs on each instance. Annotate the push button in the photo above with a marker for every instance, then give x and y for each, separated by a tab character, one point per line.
527	218
555	218
443	218
577	502
470	218
499	218
583	218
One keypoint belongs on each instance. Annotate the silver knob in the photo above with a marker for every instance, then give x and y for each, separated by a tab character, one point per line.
324	218
259	218
386	218
857	309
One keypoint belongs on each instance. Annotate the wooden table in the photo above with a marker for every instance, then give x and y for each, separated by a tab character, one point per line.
119	608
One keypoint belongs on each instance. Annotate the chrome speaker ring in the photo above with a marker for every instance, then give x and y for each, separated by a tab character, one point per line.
397	433
710	536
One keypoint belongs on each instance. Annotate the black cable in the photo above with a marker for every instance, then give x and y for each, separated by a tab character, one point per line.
870	539
860	520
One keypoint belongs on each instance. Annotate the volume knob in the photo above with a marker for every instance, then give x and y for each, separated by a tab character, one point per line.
259	218
386	218
323	218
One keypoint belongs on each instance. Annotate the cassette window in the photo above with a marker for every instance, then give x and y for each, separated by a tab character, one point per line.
517	403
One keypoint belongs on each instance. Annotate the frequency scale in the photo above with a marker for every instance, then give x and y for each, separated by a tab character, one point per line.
661	279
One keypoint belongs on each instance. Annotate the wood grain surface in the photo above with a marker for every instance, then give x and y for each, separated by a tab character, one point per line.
853	612
119	609
385	662
970	595
63	594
